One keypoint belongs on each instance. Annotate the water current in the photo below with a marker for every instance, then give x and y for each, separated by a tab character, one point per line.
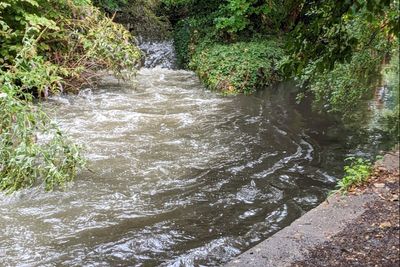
179	176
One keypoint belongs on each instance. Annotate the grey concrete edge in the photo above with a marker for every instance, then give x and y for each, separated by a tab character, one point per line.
312	229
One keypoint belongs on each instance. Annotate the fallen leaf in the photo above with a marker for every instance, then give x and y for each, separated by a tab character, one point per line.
395	198
379	185
385	225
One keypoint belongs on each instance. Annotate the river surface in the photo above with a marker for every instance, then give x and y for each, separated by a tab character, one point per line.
179	176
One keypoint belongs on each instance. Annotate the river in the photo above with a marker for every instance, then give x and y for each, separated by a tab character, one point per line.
179	176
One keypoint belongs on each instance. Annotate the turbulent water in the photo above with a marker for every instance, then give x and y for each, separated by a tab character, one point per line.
179	176
159	54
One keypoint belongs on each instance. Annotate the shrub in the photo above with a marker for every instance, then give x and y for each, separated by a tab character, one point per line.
356	174
72	41
182	39
32	149
344	90
48	46
240	67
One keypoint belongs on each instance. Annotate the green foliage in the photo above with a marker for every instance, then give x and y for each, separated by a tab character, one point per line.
32	149
390	121
214	37
110	5
337	55
141	18
180	9
238	15
254	16
171	3
48	46
182	42
390	116
193	34
344	90
241	67
104	44
71	41
333	48
231	67
357	173
331	31
232	18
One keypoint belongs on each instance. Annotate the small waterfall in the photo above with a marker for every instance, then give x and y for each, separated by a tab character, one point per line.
158	54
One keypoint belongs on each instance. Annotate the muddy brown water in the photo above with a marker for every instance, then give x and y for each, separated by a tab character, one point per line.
180	176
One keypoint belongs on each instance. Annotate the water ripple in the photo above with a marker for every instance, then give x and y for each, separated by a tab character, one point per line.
179	177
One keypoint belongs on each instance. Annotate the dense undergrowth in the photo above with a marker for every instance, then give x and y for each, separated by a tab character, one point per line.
231	67
48	47
256	65
141	17
336	51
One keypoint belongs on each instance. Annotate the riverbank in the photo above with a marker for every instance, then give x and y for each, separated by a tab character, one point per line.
358	229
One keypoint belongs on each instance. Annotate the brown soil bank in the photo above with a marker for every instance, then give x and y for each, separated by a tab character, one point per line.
359	229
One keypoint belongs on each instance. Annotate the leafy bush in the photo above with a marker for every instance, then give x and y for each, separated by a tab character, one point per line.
142	19
356	174
344	90
72	41
181	9
48	46
182	39
240	67
32	149
390	116
341	64
253	16
110	5
208	42
238	14
191	35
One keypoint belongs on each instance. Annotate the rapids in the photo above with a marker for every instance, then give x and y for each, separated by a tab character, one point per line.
179	176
